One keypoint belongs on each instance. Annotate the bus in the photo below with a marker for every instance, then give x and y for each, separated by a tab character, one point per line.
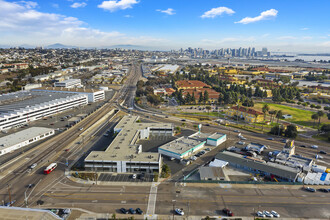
50	168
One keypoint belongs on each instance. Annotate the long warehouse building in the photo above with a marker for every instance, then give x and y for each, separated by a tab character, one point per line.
19	108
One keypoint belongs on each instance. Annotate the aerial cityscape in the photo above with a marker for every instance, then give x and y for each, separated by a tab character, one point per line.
163	110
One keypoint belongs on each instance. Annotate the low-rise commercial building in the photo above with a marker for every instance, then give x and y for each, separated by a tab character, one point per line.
216	139
123	154
70	83
23	138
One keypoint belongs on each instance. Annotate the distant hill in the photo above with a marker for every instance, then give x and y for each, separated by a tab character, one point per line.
59	46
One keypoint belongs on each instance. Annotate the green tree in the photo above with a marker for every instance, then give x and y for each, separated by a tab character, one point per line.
201	99
206	96
208	109
315	117
279	115
265	109
320	114
291	131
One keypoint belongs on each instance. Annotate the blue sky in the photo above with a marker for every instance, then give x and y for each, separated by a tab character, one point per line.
280	25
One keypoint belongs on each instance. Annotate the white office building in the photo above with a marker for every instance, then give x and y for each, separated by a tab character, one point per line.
23	138
70	83
19	108
123	154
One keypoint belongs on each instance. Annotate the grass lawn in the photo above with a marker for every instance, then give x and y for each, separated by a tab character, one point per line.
299	116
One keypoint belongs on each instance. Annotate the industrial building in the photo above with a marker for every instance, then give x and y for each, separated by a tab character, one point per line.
19	108
182	147
23	138
92	94
70	83
256	165
123	154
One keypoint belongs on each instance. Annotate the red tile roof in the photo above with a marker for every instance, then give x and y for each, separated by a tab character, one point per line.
247	110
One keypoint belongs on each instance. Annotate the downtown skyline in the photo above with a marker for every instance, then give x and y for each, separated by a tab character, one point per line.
281	26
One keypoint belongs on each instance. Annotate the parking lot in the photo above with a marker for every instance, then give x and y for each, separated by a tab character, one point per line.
108	177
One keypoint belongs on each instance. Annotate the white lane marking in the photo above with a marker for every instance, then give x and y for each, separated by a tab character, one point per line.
152	199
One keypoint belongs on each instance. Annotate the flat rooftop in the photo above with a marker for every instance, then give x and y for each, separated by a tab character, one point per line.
69	90
18	137
124	147
20	100
216	136
182	145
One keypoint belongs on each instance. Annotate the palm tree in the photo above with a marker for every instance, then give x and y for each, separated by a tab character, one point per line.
320	114
279	115
255	119
265	109
208	109
315	117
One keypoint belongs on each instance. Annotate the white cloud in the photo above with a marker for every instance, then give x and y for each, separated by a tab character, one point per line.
128	16
214	12
54	5
271	13
78	5
117	5
29	4
169	11
307	37
229	40
19	24
304	29
287	38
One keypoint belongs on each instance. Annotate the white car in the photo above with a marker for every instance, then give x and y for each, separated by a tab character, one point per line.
33	166
179	211
241	142
318	156
242	138
275	214
314	146
268	214
193	158
134	176
260	214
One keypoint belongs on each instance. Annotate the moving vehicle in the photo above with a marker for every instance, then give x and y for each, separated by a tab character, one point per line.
228	212
80	129
309	189
179	211
241	142
10	203
134	176
270	139
275	214
268	214
50	168
124	211
139	211
260	214
323	152
314	146
303	146
237	131
33	166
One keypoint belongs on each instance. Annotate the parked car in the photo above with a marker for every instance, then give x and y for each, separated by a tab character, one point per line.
309	189
237	131
270	138
124	211
242	138
324	190
268	214
260	214
208	149
241	142
179	211
314	146
132	211
322	152
228	212
303	146
275	214
134	176
139	211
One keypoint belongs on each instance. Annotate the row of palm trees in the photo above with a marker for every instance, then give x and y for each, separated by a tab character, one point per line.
273	113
